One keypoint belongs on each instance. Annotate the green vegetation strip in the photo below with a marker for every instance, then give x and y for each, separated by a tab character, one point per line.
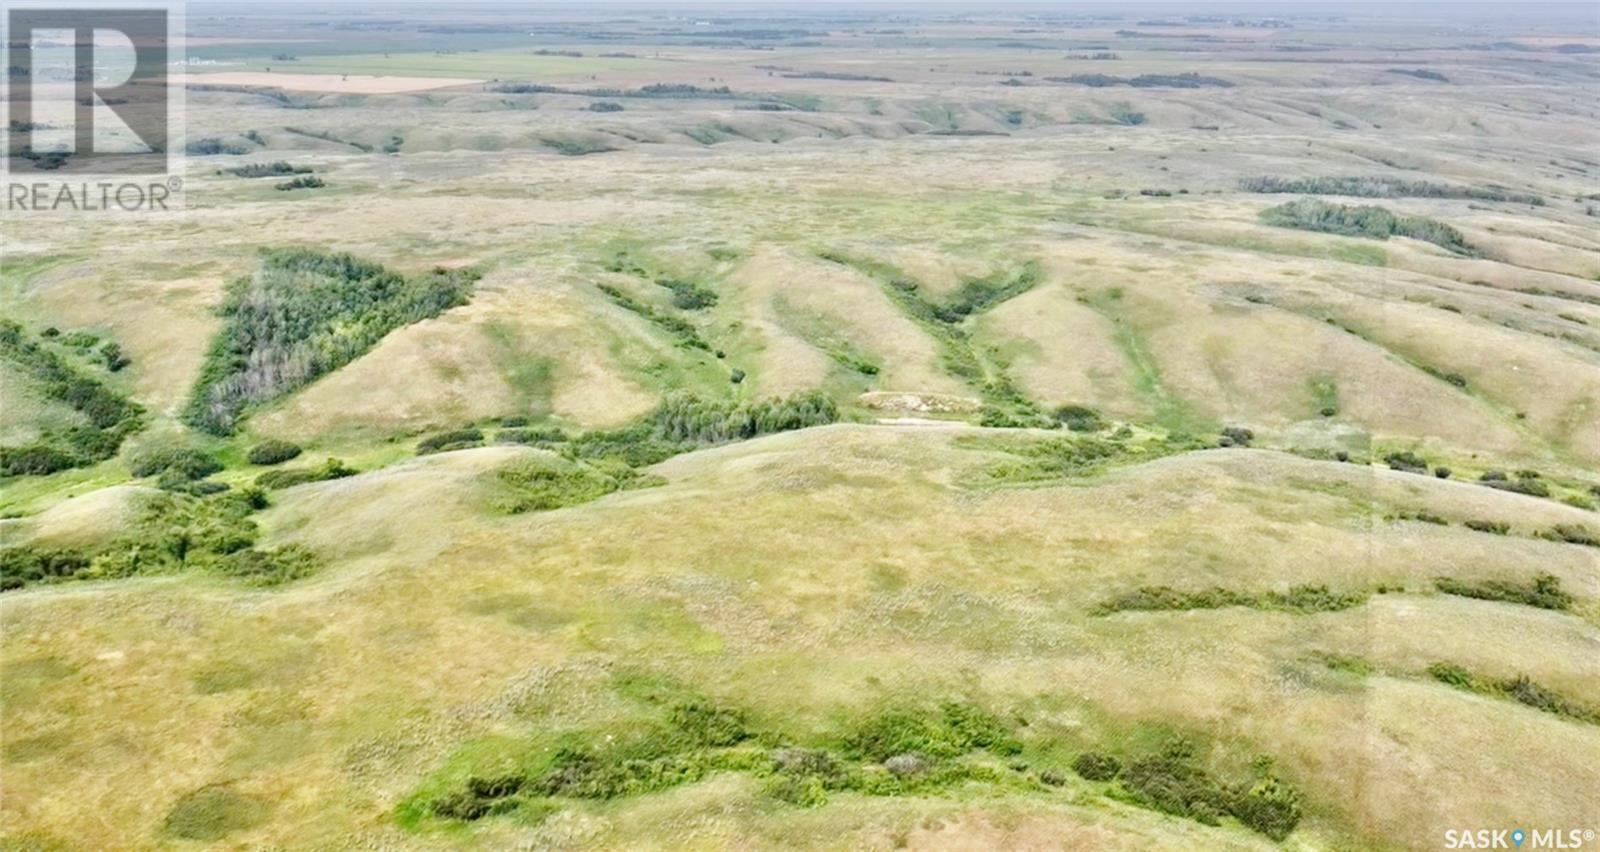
1519	689
302	315
110	416
1544	591
594	464
1045	460
170	533
1310	214
899	750
682	423
1299	599
1380	187
1006	406
679	327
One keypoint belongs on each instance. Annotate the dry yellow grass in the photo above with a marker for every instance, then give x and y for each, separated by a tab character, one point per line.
441	619
815	576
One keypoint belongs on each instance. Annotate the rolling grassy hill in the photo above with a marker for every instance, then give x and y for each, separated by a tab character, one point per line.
1109	510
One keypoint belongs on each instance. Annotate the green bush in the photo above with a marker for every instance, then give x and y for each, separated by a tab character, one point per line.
1407	461
684	330
1235	436
956	730
269	567
330	469
302	182
688	295
1491	527
1078	418
533	435
1309	598
1171	782
544	483
1525	482
35	460
271	452
188	463
1572	534
1174	783
21	566
682	423
455	439
1268	806
708	725
1094	766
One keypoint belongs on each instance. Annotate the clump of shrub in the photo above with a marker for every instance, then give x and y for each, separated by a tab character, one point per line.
22	566
687	295
455	439
1527	482
1572	534
1490	527
546	483
1520	689
302	182
955	730
273	451
1235	436
1406	461
1544	591
330	469
269	567
274	169
1173	782
533	435
179	461
212	146
112	356
1094	766
1079	418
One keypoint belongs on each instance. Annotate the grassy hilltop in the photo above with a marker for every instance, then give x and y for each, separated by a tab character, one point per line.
799	431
